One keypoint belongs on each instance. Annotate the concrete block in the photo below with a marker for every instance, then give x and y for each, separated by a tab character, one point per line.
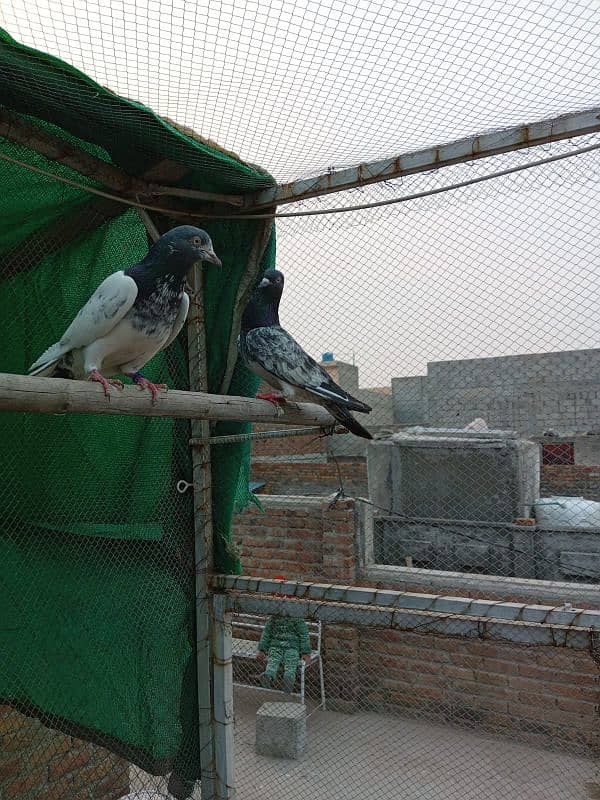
439	475
281	730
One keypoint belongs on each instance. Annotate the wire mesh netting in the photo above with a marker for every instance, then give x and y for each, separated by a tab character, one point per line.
411	713
302	88
460	304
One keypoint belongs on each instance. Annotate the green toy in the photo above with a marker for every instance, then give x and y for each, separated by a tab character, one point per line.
283	640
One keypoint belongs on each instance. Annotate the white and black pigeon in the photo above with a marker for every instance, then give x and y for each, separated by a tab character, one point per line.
270	352
132	315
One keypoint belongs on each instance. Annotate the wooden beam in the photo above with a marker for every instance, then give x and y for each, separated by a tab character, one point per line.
470	148
21	131
60	396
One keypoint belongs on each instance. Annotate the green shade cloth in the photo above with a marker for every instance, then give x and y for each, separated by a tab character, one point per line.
96	544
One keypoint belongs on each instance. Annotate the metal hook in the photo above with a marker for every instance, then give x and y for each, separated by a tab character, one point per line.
182	486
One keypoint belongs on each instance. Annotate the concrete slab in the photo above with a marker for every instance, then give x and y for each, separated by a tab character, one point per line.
384	757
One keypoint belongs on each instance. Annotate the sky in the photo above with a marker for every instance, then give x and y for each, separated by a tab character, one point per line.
509	266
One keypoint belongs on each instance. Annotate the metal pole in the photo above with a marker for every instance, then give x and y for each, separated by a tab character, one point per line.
223	700
203	546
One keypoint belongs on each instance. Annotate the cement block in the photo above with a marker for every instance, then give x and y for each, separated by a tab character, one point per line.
281	730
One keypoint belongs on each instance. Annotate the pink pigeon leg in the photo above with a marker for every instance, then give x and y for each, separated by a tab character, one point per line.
276	399
144	383
106	383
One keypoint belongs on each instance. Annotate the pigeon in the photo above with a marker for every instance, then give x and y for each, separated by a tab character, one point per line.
272	354
132	315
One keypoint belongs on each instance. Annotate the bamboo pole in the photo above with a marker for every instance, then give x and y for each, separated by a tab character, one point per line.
61	396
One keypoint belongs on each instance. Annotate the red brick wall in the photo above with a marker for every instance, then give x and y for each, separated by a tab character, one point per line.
287	446
572	480
545	695
311	477
539	694
41	764
304	541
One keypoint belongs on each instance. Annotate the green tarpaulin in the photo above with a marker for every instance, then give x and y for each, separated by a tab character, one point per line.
96	544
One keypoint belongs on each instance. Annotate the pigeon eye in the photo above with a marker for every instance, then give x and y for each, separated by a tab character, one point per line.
196	241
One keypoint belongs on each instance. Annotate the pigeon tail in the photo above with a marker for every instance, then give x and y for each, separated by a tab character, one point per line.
47	360
357	405
348	421
331	391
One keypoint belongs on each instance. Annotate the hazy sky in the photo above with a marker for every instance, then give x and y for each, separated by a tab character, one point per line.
509	266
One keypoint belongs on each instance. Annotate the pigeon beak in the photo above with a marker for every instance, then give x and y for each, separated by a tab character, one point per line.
263	283
210	255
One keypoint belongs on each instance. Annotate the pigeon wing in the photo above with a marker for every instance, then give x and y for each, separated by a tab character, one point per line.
179	321
105	308
280	355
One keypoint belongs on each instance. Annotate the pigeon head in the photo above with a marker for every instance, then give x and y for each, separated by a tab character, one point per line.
179	249
271	285
263	308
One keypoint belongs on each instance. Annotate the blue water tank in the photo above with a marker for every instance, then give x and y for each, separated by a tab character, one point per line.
327	357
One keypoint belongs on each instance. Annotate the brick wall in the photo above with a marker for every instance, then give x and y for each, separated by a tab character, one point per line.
572	480
311	477
544	695
300	538
287	446
37	763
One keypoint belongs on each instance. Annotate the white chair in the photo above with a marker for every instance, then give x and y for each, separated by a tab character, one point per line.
248	649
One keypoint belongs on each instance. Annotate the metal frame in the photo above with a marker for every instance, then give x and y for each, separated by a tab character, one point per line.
466	617
203	547
518	137
381	608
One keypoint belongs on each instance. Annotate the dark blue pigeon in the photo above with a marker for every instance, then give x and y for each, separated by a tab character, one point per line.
270	352
131	316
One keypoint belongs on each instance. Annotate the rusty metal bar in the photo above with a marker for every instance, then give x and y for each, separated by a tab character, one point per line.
470	148
250	437
393	600
448	623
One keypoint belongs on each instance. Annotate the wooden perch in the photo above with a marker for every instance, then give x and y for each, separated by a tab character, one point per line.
59	396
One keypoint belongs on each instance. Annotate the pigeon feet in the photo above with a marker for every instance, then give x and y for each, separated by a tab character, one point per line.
106	383
276	399
144	383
